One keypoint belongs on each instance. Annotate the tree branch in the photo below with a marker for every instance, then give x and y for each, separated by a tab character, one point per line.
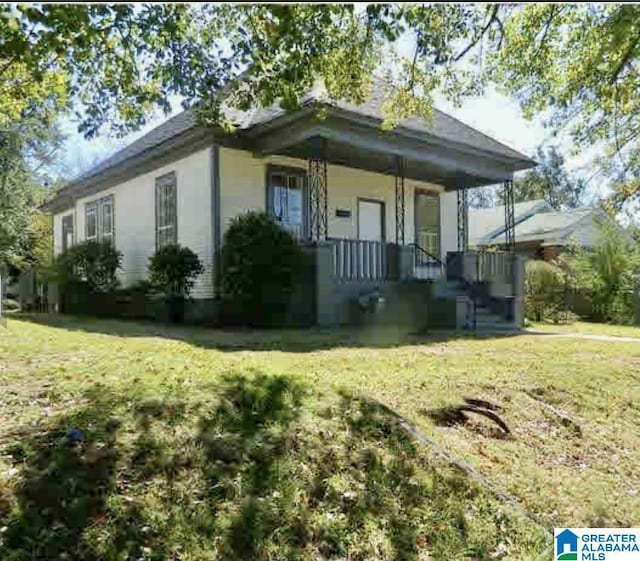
492	18
415	60
554	10
625	59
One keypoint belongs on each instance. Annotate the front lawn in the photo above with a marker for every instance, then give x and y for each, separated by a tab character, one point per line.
141	441
589	328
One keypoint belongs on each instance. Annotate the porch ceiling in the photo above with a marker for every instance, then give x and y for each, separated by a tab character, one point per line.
359	145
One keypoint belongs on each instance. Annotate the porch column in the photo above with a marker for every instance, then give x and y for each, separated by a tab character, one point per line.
317	178
400	201
509	217
463	218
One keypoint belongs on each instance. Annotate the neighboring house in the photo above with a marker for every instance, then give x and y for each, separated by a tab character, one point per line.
376	208
541	232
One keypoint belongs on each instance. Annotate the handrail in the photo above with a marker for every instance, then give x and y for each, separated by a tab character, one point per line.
469	287
423	250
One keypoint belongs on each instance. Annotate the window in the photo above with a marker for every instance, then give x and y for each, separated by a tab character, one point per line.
427	217
166	210
67	231
106	219
99	220
286	200
91	221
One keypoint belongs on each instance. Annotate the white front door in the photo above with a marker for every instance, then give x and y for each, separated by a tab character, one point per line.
370	220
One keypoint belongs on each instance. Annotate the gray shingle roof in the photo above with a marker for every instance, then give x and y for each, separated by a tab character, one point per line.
549	226
171	128
486	223
535	221
442	126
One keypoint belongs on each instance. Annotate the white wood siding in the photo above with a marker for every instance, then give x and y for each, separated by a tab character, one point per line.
134	204
448	223
242	188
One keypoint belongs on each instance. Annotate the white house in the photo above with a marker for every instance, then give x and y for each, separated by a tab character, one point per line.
379	208
541	231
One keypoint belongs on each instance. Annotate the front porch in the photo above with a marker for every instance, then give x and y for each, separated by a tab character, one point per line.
406	251
367	282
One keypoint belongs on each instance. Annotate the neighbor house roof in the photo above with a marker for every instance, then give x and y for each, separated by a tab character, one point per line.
441	127
556	227
486	223
535	221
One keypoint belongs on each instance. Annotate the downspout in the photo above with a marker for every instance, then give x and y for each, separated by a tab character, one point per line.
216	220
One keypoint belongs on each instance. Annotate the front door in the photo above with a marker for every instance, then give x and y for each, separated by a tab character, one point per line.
427	208
370	220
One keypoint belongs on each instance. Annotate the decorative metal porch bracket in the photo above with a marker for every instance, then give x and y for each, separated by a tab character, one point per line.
509	217
463	219
400	201
318	195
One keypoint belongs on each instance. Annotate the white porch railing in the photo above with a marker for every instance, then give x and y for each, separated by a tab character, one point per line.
495	267
359	260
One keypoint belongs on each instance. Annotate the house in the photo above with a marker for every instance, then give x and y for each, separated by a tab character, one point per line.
541	232
381	211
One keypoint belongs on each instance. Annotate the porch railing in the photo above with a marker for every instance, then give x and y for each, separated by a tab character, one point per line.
360	260
495	267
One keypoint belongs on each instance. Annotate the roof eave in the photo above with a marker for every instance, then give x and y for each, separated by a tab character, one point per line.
176	147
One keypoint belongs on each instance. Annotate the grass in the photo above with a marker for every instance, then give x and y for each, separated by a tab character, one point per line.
587	328
196	444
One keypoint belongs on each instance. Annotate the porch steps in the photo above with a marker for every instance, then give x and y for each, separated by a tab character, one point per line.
430	304
486	320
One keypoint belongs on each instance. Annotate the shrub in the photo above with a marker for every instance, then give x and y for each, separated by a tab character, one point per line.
261	263
544	290
91	263
173	270
605	275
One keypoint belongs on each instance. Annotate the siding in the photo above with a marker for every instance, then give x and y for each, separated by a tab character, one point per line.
448	223
134	203
242	188
586	233
57	230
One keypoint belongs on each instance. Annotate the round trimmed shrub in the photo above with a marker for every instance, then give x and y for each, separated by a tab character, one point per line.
91	264
173	270
261	264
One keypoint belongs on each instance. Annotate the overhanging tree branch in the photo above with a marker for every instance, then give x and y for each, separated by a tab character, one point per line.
493	18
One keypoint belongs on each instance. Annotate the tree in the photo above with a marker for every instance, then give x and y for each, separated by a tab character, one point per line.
578	64
115	64
484	197
606	273
550	181
24	149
